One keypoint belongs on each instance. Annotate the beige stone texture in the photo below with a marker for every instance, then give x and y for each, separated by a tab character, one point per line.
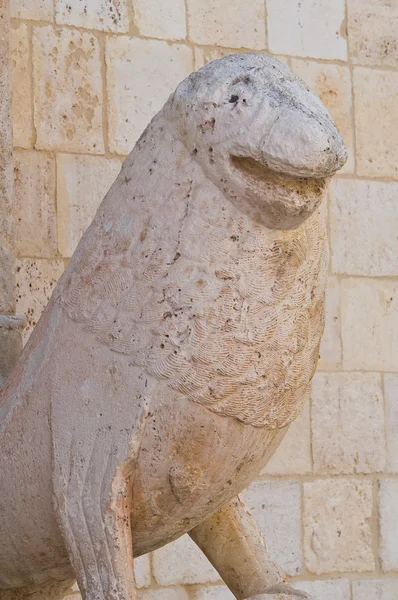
348	423
181	562
360	210
276	507
22	115
35	281
293	456
160	18
142	571
82	182
141	75
332	589
383	589
205	55
307	28
332	83
369	324
105	15
36	10
337	526
388	523
34	204
372	32
330	350
213	592
391	400
172	593
67	90
217	23
376	115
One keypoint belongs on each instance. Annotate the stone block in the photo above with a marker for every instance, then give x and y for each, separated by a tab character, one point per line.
276	506
382	589
332	589
348	423
376	115
141	74
36	10
330	350
369	309
213	592
105	15
391	401
82	182
332	83
142	570
307	28
181	563
388	524
293	457
372	32
172	593
34	204
35	281
337	528
218	23
163	19
203	56
363	218
22	115
67	90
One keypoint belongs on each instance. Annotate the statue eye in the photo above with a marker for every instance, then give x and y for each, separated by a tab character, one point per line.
233	99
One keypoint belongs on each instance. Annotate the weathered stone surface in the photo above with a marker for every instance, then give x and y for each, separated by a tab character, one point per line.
337	529
160	18
34	204
141	75
181	562
173	593
359	211
67	90
293	456
35	281
82	182
383	589
391	400
276	507
330	350
388	524
213	592
333	85
7	255
243	28
307	28
376	115
37	10
332	589
203	56
369	310
372	32
142	570
183	336
348	423
22	116
105	15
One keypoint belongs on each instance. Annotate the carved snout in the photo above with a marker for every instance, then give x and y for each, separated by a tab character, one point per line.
304	144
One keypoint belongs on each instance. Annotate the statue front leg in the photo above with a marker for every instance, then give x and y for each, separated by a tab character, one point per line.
232	542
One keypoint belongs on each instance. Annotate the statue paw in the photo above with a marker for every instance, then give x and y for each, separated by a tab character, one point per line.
282	592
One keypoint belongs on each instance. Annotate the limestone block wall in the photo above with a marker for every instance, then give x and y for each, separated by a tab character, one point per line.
87	75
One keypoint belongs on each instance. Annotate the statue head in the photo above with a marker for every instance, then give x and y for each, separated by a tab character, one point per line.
260	135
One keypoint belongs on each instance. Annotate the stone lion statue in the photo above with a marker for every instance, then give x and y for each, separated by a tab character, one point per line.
178	345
